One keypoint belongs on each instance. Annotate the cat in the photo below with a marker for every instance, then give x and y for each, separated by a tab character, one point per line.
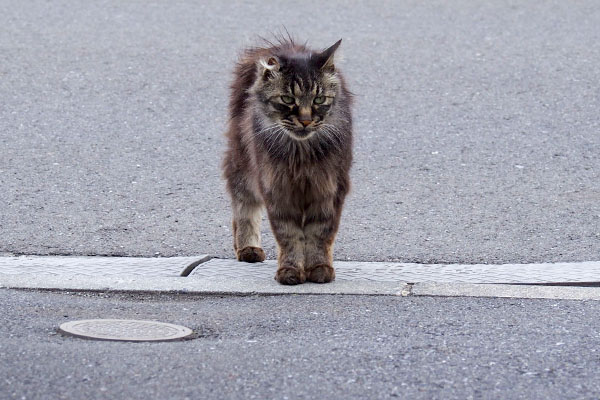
289	151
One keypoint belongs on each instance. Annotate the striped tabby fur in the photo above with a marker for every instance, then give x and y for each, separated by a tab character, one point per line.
289	151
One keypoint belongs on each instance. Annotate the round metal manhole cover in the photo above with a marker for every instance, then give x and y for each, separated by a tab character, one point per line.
128	330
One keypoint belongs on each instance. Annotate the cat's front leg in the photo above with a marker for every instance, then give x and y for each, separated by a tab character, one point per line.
320	227
290	241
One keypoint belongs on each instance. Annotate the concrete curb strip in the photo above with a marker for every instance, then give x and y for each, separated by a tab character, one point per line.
576	272
195	286
101	265
228	277
508	291
241	287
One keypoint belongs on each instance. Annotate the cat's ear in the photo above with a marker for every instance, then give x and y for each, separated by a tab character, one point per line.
324	59
268	67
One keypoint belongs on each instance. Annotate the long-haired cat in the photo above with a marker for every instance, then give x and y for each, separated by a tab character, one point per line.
289	150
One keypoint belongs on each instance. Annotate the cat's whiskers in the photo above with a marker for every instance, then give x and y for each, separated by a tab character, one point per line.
256	134
267	129
332	132
275	139
272	137
268	132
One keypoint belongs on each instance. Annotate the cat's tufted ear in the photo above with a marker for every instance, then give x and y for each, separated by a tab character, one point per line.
324	59
268	67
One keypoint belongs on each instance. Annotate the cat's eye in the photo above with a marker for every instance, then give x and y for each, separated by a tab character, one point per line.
319	100
288	99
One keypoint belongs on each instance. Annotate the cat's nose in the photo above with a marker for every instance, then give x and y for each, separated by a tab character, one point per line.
304	116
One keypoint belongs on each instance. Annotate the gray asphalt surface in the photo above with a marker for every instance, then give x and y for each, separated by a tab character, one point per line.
476	126
304	347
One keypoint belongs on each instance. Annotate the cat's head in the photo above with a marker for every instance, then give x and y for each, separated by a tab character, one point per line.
297	89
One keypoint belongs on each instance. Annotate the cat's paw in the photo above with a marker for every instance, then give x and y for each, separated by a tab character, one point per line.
251	254
320	273
290	276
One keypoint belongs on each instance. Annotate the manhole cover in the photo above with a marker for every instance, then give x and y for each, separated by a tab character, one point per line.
128	330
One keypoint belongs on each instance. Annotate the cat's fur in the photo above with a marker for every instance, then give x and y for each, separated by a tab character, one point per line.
299	173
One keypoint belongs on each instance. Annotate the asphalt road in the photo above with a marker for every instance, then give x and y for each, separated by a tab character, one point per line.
476	142
304	347
476	126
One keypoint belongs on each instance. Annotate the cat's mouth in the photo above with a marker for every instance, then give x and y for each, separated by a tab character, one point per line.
298	133
301	134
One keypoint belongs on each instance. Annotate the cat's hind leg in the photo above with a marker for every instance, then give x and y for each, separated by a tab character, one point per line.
245	204
246	229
